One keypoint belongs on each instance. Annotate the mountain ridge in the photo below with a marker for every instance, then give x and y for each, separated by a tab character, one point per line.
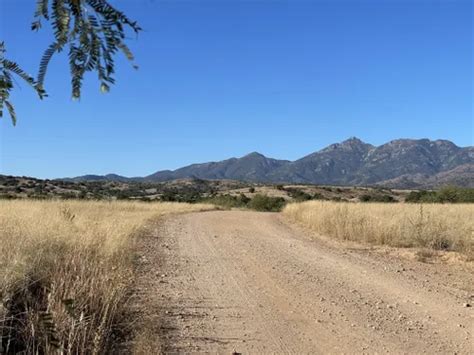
400	163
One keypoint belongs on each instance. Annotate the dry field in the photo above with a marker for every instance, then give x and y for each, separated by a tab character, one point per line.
430	226
65	272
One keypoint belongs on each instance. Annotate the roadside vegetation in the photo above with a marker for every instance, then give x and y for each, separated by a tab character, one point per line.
449	194
258	202
431	226
65	272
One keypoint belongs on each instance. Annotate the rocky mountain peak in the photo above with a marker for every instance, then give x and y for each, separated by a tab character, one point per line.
254	155
399	163
351	144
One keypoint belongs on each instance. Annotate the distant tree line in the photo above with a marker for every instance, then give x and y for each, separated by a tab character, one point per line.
450	194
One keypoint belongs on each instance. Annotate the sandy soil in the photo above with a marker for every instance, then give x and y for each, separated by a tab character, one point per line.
247	282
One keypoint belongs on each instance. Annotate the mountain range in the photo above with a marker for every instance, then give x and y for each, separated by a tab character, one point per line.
401	163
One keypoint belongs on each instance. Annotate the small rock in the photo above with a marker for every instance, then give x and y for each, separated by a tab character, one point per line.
466	305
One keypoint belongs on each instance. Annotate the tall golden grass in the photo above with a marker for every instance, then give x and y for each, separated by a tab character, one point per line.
435	226
65	272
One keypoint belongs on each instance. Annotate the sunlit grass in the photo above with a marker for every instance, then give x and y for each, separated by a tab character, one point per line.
434	226
65	271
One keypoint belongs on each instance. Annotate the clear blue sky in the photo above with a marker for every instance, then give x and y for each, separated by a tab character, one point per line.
223	78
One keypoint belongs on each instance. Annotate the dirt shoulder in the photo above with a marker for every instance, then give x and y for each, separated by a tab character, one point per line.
248	282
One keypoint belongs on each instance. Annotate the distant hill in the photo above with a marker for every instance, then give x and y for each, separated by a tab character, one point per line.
402	163
252	167
108	177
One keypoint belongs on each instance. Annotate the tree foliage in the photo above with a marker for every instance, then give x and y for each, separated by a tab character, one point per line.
91	31
9	68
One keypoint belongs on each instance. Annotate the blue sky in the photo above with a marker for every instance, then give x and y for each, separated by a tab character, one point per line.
224	78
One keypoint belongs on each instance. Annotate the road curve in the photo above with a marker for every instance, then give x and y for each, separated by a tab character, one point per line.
246	282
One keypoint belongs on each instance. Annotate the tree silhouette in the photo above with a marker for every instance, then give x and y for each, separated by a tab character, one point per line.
92	31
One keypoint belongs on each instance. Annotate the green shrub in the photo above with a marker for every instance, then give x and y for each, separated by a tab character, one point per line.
244	199
456	194
376	198
227	201
266	203
298	195
387	198
447	194
421	196
318	196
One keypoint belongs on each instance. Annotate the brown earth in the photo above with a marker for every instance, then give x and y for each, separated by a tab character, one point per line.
247	282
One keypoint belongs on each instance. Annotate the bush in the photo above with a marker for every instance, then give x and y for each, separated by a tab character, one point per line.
376	198
387	198
244	199
252	190
227	201
265	203
456	194
444	195
318	196
298	195
421	196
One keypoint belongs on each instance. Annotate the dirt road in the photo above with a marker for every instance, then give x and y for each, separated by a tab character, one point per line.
247	282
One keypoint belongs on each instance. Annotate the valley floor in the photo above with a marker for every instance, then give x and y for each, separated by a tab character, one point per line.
247	282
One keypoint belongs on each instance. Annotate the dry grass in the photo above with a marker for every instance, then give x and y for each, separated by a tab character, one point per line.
65	272
432	226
